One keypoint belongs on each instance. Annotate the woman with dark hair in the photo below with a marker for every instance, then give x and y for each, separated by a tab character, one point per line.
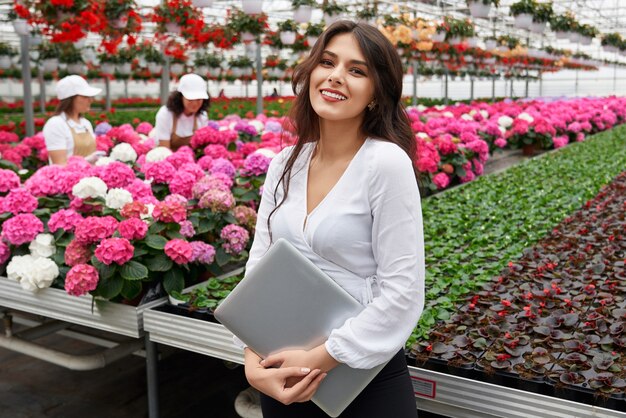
346	196
184	113
68	133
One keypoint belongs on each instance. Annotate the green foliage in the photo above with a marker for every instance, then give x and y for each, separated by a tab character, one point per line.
523	6
472	232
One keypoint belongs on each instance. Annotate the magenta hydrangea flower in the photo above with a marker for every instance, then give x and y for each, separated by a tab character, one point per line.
208	135
203	253
140	190
217	200
77	253
182	156
205	162
235	239
8	180
560	141
21	228
175	198
215	151
93	229
19	201
81	279
441	180
256	164
65	219
179	250
169	212
114	250
132	229
5	253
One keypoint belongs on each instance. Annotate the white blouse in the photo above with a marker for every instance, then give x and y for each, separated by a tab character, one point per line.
366	234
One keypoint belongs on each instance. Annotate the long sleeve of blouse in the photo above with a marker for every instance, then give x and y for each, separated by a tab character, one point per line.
367	235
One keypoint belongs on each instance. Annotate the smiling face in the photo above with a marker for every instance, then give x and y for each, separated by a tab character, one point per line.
340	86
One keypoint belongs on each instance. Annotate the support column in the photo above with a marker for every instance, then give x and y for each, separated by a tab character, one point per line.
259	79
107	94
165	80
415	75
42	89
29	117
152	377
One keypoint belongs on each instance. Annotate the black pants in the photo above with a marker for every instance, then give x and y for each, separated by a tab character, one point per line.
390	394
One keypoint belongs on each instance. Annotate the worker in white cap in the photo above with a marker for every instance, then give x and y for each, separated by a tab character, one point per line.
68	133
184	113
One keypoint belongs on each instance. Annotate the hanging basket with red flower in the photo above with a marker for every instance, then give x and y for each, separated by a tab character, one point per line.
248	27
172	15
64	20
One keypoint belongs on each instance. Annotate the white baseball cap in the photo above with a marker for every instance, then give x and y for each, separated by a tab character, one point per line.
75	85
193	87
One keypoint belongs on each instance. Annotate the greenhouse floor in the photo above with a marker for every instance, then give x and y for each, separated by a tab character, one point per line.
189	385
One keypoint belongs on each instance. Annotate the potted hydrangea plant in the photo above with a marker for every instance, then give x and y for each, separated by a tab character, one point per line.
302	10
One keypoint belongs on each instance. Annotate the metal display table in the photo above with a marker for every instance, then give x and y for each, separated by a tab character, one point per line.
434	392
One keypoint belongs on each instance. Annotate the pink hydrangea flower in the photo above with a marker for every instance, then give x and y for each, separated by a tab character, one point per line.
255	165
8	180
169	212
132	229
160	171
116	175
81	279
186	229
500	142
221	165
179	250
441	180
21	228
176	198
560	141
580	137
77	253
114	250
203	253
182	183
217	200
134	210
208	135
140	190
5	253
144	128
182	156
65	219
207	183
205	162
19	201
235	239
245	216
215	151
93	229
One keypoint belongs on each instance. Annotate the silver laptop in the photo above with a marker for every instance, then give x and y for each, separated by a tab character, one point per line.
287	302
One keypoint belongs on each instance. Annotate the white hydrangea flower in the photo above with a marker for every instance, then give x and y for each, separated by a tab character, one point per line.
117	198
465	116
422	135
124	152
525	116
448	114
90	187
258	125
102	161
421	108
440	107
266	152
231	126
505	121
22	171
42	246
502	129
32	273
41	274
158	154
473	112
224	128
484	113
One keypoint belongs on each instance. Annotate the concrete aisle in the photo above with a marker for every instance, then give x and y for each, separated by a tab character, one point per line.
190	385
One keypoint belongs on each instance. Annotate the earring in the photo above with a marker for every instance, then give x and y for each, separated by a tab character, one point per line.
371	105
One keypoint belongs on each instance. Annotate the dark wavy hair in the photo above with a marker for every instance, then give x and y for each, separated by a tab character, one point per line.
175	104
387	121
65	106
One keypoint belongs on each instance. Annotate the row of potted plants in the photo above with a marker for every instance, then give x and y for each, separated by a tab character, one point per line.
552	317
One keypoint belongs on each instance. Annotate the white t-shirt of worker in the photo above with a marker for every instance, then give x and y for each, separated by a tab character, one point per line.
184	127
57	132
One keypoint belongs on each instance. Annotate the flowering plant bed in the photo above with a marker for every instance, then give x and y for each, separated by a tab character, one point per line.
559	309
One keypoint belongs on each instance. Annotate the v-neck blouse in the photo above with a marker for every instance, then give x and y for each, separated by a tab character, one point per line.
366	234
